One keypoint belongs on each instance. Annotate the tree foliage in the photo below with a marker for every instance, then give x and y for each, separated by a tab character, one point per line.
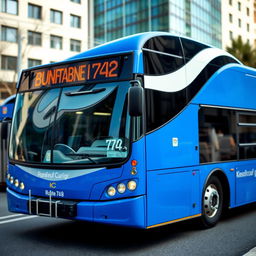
243	51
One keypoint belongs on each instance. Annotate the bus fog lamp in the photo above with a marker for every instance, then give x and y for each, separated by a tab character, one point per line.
132	185
16	183
22	186
111	191
121	188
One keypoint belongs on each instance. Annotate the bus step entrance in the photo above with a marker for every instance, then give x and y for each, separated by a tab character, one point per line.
51	207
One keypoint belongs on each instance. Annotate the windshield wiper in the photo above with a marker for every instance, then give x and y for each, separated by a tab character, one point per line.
86	156
85	92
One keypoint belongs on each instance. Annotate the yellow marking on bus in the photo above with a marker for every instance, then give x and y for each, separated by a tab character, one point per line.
173	221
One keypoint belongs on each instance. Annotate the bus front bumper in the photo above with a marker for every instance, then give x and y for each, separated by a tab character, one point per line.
124	212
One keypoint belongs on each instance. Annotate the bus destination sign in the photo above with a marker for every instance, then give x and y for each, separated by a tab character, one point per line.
74	73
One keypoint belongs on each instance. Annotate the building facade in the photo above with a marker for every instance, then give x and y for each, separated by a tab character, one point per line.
35	32
199	19
238	19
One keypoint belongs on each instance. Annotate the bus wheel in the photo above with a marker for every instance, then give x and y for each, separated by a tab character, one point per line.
212	202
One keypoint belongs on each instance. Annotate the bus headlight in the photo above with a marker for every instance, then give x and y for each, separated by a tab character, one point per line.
22	186
111	191
132	185
11	179
16	183
121	188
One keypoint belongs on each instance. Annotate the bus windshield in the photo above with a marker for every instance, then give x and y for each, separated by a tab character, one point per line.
87	124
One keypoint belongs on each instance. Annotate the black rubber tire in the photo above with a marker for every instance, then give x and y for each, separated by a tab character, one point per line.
206	220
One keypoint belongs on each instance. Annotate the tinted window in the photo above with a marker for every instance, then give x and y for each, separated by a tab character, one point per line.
223	60
163	106
191	48
217	135
162	55
206	73
247	135
159	64
166	44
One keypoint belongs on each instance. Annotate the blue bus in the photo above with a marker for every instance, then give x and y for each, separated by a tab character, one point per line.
6	109
144	131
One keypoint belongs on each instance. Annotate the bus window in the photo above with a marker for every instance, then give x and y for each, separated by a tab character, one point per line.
32	125
163	106
217	134
73	125
191	48
162	55
247	135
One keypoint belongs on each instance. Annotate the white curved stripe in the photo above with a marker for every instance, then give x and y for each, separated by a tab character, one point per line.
181	78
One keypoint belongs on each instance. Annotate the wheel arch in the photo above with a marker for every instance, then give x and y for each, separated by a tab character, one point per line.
220	174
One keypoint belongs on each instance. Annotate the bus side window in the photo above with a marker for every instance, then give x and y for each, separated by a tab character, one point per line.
217	134
247	135
162	55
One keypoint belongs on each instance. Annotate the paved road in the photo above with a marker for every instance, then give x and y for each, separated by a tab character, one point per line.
19	235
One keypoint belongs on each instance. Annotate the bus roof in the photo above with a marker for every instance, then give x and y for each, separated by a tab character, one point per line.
9	100
122	45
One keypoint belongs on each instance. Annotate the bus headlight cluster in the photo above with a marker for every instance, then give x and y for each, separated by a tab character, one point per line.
121	188
15	182
132	185
111	191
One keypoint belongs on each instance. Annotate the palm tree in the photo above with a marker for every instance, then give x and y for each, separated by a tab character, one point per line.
243	51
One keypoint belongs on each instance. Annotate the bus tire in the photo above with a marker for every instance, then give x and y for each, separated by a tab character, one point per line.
212	202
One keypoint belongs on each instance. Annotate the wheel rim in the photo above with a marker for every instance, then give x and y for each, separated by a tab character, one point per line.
211	201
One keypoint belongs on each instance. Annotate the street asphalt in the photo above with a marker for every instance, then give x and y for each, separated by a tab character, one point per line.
20	235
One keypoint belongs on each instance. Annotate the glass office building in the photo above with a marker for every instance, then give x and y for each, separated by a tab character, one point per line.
199	19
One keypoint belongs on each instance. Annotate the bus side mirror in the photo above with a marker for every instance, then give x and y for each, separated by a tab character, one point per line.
135	99
4	128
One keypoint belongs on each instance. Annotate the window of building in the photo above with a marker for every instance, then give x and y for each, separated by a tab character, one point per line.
34	62
75	21
75	45
76	1
56	16
4	95
56	42
239	23
239	6
230	35
230	2
34	38
34	11
248	11
9	6
9	34
8	62
230	18
217	135
248	27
